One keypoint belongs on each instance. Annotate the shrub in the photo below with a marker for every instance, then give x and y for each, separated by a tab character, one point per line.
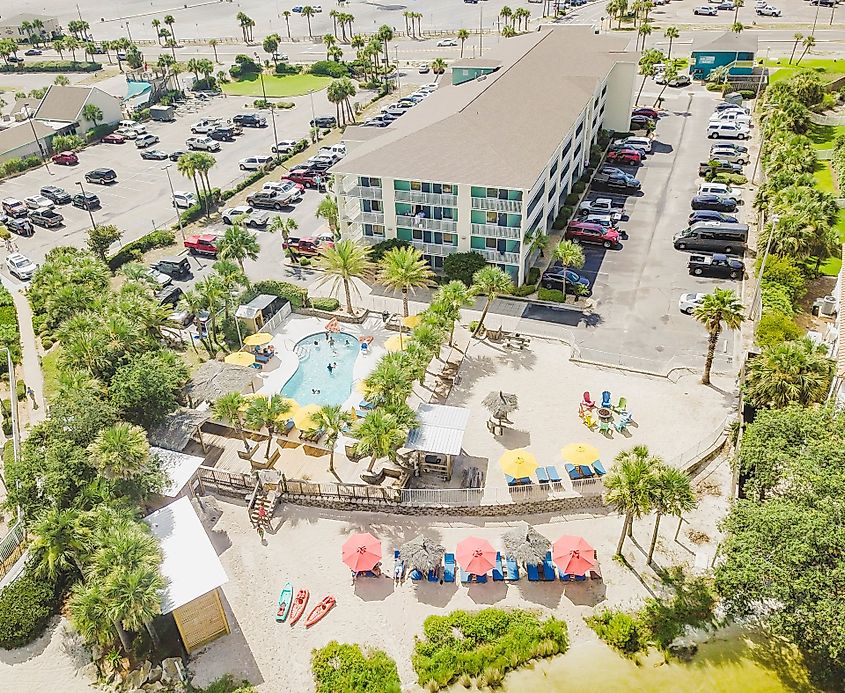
533	275
462	266
25	607
287	69
266	103
327	303
603	138
776	297
129	252
64	143
524	290
787	273
563	216
621	631
295	294
244	65
775	327
341	667
571	199
579	187
747	93
97	133
554	295
304	261
329	68
379	249
53	66
728	178
17	165
205	84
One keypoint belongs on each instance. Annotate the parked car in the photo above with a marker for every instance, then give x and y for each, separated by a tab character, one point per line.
48	218
641	122
283	147
310	245
250	120
33	51
20	266
154	154
286	187
14	207
309	179
644	144
37	201
425	68
706	10
554	278
687	303
615	178
202	244
231	215
206	125
323	122
733	146
222	135
114	138
269	199
101	176
21	226
712	215
718	151
716	265
718	165
203	143
65	159
146	141
174	156
253	163
183	200
716	203
632	157
159	279
86	201
718	189
677	81
175	267
55	195
768	11
586	232
447	43
602	205
728	130
652	113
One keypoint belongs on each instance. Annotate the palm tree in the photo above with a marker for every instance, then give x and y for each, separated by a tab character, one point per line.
508	32
229	408
391	381
644	31
404	269
267	412
345	261
438	67
285	226
379	435
570	255
187	166
238	244
449	300
170	21
797	372
506	13
385	36
737	5
231	278
463	35
327	209
430	337
334	15
92	112
808	43
58	543
737	27
629	487
286	14
120	451
308	12
88	613
214	43
330	41
672	495
212	297
132	598
59	45
671	33
797	38
333	419
720	309
490	282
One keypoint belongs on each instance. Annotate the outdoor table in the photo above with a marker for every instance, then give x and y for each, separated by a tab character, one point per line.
605	414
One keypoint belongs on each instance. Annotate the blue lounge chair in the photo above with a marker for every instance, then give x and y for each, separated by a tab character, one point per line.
563	576
554	477
481	578
398	565
464	576
449	567
288	427
360	413
580	578
605	399
586	471
542	477
513	569
598	468
549	572
416	575
573	471
510	480
432	576
498	576
364	404
533	573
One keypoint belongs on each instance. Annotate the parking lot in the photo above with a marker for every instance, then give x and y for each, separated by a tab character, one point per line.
635	320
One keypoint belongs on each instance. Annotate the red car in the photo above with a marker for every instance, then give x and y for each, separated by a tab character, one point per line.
65	158
114	138
305	178
588	232
624	156
647	112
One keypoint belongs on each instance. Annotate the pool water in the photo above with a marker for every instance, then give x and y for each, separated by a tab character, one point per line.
315	353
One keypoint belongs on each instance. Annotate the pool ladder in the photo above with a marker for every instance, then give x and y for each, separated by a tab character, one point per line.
301	352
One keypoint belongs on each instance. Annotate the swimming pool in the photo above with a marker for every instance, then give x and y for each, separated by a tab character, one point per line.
315	354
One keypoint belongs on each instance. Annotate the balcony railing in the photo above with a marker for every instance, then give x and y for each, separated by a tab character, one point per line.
493	231
438	199
434	248
502	258
446	225
369	218
364	192
495	204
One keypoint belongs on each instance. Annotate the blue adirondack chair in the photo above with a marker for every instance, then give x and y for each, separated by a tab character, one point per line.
549	572
449	567
498	576
513	569
605	399
533	573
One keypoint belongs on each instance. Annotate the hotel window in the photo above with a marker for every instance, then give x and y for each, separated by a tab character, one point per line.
372	205
374	230
416	185
450	239
367	182
579	129
566	149
535	200
553	169
604	90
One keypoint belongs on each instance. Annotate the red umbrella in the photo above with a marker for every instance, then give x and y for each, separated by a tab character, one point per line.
332	325
573	555
361	552
476	556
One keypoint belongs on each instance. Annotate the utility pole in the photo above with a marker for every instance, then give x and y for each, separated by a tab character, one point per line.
87	206
166	169
480	30
35	137
272	112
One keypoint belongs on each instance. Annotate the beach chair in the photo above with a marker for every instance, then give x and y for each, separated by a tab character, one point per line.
532	572
605	399
564	577
261	358
621	406
510	480
481	579
587	401
604	426
465	576
513	569
416	575
542	477
432	575
598	468
589	421
621	425
549	572
554	477
449	567
498	576
360	413
398	566
586	472
574	473
364	404
580	578
288	427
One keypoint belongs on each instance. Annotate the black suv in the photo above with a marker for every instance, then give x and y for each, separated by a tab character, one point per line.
85	201
46	218
717	203
250	120
55	195
22	227
324	122
173	266
268	199
222	135
103	176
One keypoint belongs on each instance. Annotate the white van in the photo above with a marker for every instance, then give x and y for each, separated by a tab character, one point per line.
728	130
642	144
718	189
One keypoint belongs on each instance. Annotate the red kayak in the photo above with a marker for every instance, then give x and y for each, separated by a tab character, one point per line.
297	608
319	611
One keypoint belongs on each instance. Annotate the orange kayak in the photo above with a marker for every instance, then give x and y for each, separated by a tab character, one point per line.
297	608
319	611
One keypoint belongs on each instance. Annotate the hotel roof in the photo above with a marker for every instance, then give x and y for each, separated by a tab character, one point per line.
500	129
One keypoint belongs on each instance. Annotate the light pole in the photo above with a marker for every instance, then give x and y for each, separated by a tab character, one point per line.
166	169
272	114
87	206
753	310
313	118
29	115
128	32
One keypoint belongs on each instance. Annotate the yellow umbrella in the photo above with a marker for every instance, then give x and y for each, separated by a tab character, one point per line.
258	339
395	343
579	453
302	417
240	358
518	463
411	321
294	407
360	387
248	397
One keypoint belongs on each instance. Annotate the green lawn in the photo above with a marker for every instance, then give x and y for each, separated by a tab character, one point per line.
833	264
824	177
50	367
279	86
826	68
824	135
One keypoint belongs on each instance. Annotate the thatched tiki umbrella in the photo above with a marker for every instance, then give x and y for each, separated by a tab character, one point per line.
421	553
500	404
526	544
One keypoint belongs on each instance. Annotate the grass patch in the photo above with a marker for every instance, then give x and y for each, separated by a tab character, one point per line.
50	368
343	668
278	86
833	264
484	645
827	68
822	136
824	177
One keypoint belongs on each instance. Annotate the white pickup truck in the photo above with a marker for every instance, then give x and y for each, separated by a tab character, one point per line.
602	205
205	126
204	143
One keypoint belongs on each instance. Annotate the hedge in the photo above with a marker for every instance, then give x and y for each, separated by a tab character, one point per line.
287	69
553	295
132	251
524	290
329	68
9	333
279	105
17	165
25	607
53	66
295	294
328	303
343	668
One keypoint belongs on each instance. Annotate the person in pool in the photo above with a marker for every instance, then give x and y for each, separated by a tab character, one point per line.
330	367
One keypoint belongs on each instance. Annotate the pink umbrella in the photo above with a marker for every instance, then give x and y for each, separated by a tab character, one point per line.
361	552
476	556
573	555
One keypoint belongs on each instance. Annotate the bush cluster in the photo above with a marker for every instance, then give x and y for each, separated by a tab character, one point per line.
340	667
53	66
524	290
462	266
284	68
295	294
554	295
328	303
18	165
134	250
244	65
329	68
279	105
564	214
9	333
25	607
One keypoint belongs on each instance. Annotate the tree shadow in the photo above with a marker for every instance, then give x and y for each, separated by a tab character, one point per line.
435	594
373	589
489	592
590	592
